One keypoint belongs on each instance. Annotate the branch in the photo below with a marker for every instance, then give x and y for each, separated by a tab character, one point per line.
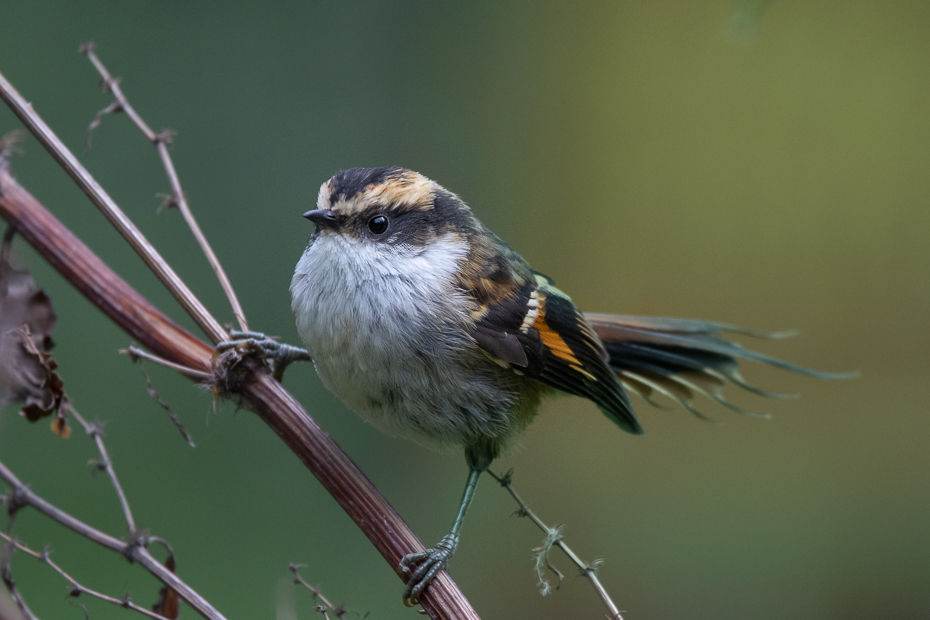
554	539
76	587
339	611
161	403
162	141
7	576
104	463
257	389
135	353
135	550
111	211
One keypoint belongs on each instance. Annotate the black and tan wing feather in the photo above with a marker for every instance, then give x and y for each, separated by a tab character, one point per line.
537	330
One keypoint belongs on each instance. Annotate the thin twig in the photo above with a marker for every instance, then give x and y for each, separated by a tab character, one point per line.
339	611
66	159
135	550
5	572
137	353
76	587
162	141
171	414
95	431
554	538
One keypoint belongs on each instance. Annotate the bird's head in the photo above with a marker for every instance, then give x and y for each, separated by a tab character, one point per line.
391	205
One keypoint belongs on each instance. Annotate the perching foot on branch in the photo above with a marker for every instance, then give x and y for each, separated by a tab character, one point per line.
276	354
430	563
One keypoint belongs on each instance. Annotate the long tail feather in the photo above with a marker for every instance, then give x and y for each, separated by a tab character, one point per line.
679	358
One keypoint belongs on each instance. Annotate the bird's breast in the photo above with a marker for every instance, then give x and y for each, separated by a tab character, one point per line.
385	326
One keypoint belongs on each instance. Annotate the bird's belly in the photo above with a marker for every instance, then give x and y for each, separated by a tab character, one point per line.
426	385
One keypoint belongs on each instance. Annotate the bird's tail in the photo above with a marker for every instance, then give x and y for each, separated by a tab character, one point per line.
681	358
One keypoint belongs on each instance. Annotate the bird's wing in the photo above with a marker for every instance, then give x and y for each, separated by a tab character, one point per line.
538	331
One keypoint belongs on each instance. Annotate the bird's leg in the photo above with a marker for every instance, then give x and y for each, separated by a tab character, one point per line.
434	560
276	354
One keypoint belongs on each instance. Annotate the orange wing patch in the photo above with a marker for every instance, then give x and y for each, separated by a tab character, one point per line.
556	344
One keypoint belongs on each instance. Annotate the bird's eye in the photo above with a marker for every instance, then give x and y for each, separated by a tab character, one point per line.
378	224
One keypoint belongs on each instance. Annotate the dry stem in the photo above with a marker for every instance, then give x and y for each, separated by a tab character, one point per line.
554	539
162	141
7	576
339	611
137	353
76	587
66	159
135	550
104	463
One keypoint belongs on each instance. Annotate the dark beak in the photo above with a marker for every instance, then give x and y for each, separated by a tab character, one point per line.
323	218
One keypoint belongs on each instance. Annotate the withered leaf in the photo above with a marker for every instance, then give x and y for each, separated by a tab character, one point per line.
36	382
168	604
27	371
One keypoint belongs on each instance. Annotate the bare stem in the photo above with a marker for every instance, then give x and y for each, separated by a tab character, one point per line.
161	142
5	572
554	537
338	610
96	432
135	550
66	159
190	373
76	587
161	403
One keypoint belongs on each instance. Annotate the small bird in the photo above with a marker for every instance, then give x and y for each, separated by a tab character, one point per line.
430	327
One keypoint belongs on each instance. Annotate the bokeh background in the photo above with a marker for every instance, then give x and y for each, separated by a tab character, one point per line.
764	164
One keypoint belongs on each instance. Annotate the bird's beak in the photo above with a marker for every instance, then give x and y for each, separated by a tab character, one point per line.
323	218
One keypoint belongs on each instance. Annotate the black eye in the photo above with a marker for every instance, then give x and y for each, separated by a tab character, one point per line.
378	224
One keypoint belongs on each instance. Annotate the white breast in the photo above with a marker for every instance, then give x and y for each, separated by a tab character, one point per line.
386	327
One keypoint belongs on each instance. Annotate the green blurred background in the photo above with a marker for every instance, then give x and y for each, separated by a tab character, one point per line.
760	164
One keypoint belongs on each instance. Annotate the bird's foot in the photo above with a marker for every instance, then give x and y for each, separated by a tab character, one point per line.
430	563
276	354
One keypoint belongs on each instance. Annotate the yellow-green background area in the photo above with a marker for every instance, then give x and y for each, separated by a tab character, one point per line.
765	165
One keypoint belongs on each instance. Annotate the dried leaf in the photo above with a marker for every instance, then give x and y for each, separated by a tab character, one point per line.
36	382
27	371
167	604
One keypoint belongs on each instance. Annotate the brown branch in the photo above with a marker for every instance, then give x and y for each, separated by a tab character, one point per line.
135	550
554	539
162	141
76	587
66	159
134	314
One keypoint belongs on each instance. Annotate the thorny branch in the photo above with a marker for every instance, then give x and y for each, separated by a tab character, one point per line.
136	550
161	141
161	403
6	574
339	611
79	174
554	539
135	353
105	464
76	587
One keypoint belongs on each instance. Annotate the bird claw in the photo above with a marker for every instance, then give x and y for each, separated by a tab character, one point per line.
276	354
430	562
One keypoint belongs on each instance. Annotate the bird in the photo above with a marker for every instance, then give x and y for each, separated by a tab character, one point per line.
430	327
